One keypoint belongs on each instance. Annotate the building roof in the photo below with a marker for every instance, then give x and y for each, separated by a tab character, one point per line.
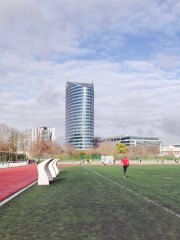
132	136
81	84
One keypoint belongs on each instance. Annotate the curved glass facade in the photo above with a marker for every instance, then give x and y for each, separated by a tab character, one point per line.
79	126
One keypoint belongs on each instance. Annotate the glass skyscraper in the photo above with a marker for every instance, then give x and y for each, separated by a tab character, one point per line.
79	126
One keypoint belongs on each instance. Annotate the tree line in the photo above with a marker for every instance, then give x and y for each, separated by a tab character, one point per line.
13	141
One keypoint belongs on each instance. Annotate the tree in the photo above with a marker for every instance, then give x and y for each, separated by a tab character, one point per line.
44	148
13	142
69	149
82	153
75	156
121	147
8	138
24	143
106	148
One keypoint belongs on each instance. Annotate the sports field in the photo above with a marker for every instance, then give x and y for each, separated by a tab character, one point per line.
95	202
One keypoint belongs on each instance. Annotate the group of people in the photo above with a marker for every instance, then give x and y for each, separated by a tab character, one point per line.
29	161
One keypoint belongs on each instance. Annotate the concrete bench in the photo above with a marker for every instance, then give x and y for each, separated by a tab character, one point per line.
52	169
56	166
44	174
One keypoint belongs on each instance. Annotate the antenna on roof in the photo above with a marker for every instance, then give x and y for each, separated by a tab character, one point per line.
92	82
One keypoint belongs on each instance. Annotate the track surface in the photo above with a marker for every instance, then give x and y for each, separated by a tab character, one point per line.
14	179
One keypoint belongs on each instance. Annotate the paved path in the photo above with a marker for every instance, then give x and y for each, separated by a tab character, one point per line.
14	179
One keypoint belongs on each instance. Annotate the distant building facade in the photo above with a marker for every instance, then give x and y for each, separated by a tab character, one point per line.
173	149
41	133
79	116
131	140
134	141
33	135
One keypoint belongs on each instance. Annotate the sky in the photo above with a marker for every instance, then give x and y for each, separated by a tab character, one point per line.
129	49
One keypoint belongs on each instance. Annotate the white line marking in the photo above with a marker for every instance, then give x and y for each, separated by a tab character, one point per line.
16	194
145	198
168	177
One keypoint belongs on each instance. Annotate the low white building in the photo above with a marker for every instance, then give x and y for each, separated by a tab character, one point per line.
136	141
172	150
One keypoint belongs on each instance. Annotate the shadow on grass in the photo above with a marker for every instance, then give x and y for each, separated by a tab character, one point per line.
63	172
56	180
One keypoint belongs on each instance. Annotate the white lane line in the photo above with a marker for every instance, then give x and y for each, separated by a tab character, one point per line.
16	194
145	198
168	177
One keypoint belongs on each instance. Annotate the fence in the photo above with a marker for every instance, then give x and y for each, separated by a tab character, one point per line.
118	162
12	164
74	157
7	156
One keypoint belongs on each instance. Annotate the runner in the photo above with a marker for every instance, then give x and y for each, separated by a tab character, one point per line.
125	162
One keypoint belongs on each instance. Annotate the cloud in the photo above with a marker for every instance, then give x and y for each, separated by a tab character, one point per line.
168	61
140	131
44	43
44	29
50	97
171	126
124	102
139	66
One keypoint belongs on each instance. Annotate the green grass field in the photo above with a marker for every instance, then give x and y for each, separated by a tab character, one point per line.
80	204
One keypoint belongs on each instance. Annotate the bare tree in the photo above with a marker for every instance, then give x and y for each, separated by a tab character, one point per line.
8	138
44	148
69	149
8	141
142	151
106	148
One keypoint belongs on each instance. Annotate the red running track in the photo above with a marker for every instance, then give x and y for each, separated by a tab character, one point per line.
14	179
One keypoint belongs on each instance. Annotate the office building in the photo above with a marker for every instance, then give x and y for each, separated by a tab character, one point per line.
41	133
36	134
135	141
172	150
79	116
32	136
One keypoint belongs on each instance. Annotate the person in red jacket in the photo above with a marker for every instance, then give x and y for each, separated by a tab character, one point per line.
125	162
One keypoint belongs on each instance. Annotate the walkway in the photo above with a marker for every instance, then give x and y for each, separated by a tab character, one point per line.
14	179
